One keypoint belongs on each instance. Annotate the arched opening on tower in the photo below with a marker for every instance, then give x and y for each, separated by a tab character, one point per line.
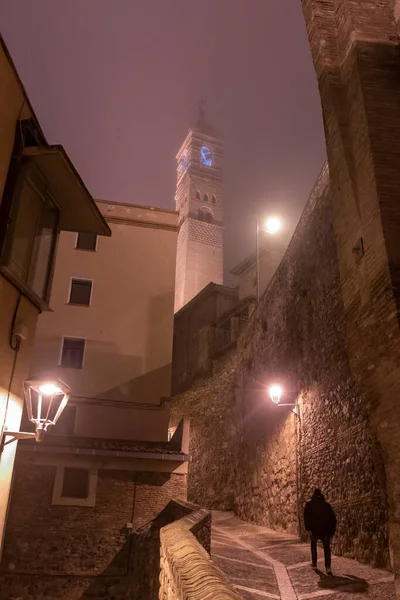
205	214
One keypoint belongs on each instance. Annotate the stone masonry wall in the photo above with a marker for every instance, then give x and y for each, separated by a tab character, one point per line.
71	553
208	406
147	562
268	458
187	571
355	50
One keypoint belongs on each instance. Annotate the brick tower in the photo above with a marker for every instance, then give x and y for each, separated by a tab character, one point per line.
198	200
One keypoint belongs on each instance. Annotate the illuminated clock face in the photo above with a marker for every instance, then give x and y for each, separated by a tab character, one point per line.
206	156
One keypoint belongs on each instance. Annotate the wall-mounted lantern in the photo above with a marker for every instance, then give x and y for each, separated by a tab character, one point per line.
45	400
276	393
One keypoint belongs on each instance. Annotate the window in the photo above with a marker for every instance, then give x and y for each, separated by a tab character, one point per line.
81	291
198	195
214	200
75	483
205	198
86	241
29	247
72	353
75	486
200	215
184	164
209	217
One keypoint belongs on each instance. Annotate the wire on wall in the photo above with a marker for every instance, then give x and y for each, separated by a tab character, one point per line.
15	343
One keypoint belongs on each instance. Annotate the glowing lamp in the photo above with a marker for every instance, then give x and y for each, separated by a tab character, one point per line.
45	401
275	392
49	389
272	225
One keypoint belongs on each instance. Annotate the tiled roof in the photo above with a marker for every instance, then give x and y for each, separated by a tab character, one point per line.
66	441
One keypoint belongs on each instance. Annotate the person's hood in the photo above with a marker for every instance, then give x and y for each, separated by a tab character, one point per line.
318	496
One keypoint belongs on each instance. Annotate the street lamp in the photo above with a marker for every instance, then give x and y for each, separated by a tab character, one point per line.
275	393
271	225
45	400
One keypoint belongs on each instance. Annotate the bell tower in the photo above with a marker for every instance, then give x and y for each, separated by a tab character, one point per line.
198	200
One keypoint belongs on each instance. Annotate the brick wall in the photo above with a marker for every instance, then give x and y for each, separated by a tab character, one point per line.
199	259
244	443
76	552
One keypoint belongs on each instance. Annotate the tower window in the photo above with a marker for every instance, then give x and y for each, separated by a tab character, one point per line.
205	198
205	215
198	195
214	200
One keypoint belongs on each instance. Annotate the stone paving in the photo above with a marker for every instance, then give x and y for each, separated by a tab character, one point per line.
261	563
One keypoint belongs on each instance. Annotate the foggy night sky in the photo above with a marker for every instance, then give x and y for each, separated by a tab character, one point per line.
117	83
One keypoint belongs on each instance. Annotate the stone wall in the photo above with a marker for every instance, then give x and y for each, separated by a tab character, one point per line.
298	338
268	459
71	553
145	583
356	52
209	407
192	334
187	571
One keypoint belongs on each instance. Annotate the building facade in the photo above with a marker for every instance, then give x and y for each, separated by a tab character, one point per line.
110	333
198	200
108	467
40	192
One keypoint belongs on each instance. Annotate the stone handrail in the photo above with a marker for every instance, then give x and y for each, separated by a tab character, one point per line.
187	571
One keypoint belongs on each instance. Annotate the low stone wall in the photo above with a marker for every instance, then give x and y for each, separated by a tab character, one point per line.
145	583
187	572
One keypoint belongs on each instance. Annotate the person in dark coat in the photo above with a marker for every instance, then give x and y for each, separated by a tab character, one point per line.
320	522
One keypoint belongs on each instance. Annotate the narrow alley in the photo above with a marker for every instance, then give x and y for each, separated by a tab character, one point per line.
262	563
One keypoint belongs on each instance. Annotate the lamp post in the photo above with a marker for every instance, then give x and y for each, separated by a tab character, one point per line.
45	400
271	225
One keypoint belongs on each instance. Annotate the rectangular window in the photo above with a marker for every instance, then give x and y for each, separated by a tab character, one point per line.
81	291
86	241
28	253
75	486
73	350
75	483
